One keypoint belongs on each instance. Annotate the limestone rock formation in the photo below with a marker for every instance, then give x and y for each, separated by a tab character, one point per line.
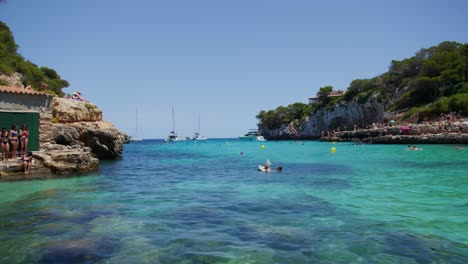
73	137
62	159
340	117
12	80
70	111
76	123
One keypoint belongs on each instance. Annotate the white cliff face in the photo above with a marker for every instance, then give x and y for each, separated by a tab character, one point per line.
343	117
340	117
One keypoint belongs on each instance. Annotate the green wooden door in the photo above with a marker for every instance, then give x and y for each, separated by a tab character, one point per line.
31	119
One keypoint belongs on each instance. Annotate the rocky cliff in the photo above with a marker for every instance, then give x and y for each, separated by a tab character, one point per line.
342	116
73	137
72	122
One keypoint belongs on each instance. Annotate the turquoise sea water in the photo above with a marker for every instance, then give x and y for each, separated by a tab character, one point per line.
206	203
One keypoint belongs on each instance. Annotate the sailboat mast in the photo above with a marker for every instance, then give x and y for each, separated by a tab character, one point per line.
198	123
136	122
173	120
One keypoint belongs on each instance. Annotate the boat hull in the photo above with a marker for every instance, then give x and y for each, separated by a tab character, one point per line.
252	138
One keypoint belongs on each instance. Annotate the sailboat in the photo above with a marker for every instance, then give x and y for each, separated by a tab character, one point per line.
173	135
196	135
136	138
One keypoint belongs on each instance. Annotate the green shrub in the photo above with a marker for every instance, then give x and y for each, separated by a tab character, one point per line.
90	106
273	119
454	103
458	102
4	82
11	62
405	100
363	97
440	106
54	111
332	102
5	69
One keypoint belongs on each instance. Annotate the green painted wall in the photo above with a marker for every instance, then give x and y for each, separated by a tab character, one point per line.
8	119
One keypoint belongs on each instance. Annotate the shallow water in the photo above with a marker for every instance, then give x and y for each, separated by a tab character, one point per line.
206	203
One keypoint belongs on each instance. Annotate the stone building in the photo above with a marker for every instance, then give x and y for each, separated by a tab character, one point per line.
22	106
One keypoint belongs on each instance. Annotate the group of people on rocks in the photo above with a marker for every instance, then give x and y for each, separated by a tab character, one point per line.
76	96
12	140
452	116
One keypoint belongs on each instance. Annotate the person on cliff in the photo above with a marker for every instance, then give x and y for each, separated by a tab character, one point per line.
5	145
27	162
24	134
77	96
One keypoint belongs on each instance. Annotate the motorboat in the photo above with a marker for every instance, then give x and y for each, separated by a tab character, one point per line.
252	135
173	137
196	136
136	139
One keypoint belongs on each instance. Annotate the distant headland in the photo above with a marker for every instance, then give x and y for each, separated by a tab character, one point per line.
429	89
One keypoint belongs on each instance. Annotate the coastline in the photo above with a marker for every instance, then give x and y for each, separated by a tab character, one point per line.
424	133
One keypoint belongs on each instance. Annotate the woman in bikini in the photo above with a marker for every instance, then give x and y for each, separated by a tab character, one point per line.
5	144
14	140
24	134
27	161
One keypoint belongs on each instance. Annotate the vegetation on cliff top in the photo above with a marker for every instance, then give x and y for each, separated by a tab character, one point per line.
433	81
11	61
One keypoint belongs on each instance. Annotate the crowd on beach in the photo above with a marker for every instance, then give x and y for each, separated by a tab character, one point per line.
12	140
448	123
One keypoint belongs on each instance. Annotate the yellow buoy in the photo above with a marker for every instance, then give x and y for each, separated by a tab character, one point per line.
333	150
262	147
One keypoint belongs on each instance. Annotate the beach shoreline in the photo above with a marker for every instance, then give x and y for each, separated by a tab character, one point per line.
423	133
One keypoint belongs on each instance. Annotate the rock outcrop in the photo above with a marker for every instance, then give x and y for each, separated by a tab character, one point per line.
12	80
73	137
60	159
72	111
104	140
76	123
342	116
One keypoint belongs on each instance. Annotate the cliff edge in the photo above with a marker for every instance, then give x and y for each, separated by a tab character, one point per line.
73	137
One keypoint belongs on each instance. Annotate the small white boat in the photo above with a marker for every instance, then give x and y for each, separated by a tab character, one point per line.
196	136
173	135
252	135
136	139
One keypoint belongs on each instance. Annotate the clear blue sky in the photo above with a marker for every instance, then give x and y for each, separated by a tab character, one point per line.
224	60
